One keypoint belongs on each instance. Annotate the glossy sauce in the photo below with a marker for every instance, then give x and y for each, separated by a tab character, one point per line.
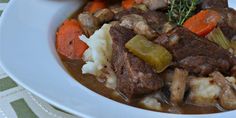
74	68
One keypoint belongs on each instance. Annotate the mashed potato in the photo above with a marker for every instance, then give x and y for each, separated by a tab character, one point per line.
98	55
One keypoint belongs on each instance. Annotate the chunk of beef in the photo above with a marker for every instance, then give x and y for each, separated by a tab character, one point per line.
104	15
192	52
214	4
134	76
156	4
88	23
139	25
129	21
228	31
228	94
158	21
232	81
122	13
228	23
203	64
116	8
228	98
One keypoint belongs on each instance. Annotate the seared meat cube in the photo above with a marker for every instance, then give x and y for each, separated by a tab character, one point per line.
228	98
157	21
228	23
228	94
115	23
104	15
196	55
120	14
178	86
116	9
150	23
89	23
232	81
134	77
129	21
203	64
156	4
214	4
139	25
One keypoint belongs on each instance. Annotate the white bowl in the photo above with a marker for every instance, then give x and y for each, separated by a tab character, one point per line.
27	54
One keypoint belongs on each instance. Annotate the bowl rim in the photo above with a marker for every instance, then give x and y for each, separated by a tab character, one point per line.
59	105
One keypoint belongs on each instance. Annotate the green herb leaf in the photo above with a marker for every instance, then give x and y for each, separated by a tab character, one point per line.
180	10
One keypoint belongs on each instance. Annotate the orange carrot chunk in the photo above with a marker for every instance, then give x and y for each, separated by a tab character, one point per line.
127	4
203	22
68	43
96	5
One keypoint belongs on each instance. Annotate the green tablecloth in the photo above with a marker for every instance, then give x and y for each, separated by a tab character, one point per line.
16	102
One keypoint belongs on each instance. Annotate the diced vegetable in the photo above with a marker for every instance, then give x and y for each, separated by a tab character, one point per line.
203	22
219	38
154	54
68	43
127	4
96	5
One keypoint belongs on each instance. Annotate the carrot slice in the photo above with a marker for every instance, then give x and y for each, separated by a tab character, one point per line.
203	22
96	5
127	4
68	43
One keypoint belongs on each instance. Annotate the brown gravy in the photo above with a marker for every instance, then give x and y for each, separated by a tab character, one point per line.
74	68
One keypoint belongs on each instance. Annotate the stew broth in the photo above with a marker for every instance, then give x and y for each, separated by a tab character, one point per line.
74	68
89	81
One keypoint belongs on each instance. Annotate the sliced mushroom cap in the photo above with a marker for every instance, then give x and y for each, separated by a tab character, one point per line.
178	86
104	15
89	23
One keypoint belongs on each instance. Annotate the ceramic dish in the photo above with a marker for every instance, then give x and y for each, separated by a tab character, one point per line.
28	55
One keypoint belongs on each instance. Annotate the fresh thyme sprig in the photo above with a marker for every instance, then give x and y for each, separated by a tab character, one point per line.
181	10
